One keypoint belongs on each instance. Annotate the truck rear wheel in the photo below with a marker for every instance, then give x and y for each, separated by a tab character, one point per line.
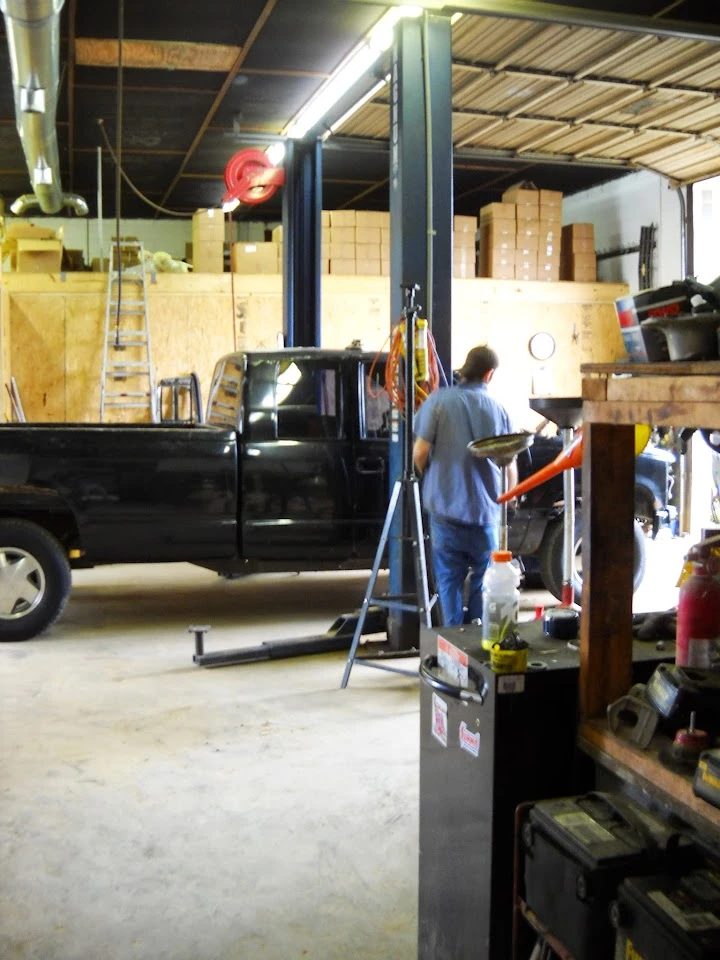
35	580
551	558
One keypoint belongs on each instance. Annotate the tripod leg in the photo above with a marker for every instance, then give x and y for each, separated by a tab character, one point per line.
421	573
392	507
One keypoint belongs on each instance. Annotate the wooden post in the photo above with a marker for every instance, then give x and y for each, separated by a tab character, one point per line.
608	496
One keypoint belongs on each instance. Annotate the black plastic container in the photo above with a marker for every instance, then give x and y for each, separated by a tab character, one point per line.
577	851
669	917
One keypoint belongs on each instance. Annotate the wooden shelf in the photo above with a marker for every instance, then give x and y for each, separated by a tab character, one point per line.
643	769
669	369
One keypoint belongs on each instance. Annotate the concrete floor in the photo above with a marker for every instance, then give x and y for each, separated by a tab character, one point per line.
152	810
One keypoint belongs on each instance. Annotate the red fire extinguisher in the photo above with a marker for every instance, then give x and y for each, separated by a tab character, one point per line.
698	620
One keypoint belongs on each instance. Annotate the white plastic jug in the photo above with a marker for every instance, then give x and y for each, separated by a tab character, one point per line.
501	598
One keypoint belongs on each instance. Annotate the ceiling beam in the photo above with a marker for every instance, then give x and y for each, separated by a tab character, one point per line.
174	55
156	54
542	12
232	73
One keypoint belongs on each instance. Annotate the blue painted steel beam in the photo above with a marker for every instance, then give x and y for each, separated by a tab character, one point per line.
301	216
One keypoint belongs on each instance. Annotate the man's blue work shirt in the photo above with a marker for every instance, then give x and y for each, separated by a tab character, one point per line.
456	485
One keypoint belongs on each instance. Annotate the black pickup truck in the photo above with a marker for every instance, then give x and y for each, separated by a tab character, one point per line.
288	473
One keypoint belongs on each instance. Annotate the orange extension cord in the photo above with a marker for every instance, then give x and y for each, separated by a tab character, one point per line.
395	369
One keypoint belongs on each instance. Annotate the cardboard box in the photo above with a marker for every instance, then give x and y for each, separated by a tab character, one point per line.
463	271
575	230
580	267
368	251
188	252
324	218
342	234
550	231
39	256
325	265
255	258
492	232
527	229
368	235
369	218
368	268
464	255
551	198
497	211
385	235
526	261
498	265
529	272
522	196
526	212
101	265
384	268
347	267
342	218
208	257
208	225
580	245
548	251
385	251
341	251
465	224
548	270
527	245
385	219
277	234
549	212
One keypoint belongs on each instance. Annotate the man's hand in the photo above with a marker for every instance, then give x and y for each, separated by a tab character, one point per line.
421	454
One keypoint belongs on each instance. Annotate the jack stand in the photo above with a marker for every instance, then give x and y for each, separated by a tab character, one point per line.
406	493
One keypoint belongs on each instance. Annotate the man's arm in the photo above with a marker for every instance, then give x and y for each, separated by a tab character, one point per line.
421	454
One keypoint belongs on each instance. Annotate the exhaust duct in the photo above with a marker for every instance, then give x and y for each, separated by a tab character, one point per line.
33	32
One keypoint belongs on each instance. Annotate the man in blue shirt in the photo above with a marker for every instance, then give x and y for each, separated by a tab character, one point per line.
460	491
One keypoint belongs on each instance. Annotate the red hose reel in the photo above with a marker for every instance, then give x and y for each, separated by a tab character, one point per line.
251	177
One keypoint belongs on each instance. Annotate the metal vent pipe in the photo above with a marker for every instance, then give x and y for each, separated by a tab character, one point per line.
33	32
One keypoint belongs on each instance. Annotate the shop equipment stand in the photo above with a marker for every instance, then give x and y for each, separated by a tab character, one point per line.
406	494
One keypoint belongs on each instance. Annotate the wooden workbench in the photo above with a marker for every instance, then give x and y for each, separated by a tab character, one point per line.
618	396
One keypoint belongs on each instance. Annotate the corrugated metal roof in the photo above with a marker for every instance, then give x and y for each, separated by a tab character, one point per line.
567	93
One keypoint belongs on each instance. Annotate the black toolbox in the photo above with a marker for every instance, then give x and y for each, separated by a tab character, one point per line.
669	917
576	852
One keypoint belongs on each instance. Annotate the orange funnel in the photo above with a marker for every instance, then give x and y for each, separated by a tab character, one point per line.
566	460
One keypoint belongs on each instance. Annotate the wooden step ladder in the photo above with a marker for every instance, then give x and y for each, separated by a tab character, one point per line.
128	382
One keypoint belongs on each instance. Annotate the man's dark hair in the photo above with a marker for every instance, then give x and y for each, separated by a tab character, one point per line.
478	362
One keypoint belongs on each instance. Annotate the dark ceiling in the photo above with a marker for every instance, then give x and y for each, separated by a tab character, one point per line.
178	132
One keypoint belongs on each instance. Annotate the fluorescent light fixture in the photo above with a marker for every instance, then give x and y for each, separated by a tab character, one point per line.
230	205
356	106
276	153
355	66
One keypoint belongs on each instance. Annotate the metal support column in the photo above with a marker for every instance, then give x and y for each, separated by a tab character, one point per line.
302	203
421	236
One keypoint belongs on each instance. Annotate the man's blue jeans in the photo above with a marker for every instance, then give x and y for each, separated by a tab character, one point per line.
456	549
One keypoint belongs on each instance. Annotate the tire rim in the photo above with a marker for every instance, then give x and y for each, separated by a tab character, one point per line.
22	583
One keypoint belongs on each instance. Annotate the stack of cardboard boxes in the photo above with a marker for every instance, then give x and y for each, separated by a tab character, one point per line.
208	241
356	242
464	230
520	237
579	262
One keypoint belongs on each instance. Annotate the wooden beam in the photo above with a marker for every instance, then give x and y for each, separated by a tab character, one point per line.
232	73
156	54
608	502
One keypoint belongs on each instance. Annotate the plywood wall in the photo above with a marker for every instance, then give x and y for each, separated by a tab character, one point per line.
56	329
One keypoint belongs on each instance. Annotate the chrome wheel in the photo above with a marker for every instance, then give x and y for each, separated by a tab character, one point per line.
22	583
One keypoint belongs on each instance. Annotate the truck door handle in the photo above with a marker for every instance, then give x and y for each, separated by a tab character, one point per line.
370	465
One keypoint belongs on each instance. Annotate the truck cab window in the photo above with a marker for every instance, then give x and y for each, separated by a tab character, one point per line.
376	418
307	401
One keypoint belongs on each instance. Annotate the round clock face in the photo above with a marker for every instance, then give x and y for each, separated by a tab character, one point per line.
541	346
